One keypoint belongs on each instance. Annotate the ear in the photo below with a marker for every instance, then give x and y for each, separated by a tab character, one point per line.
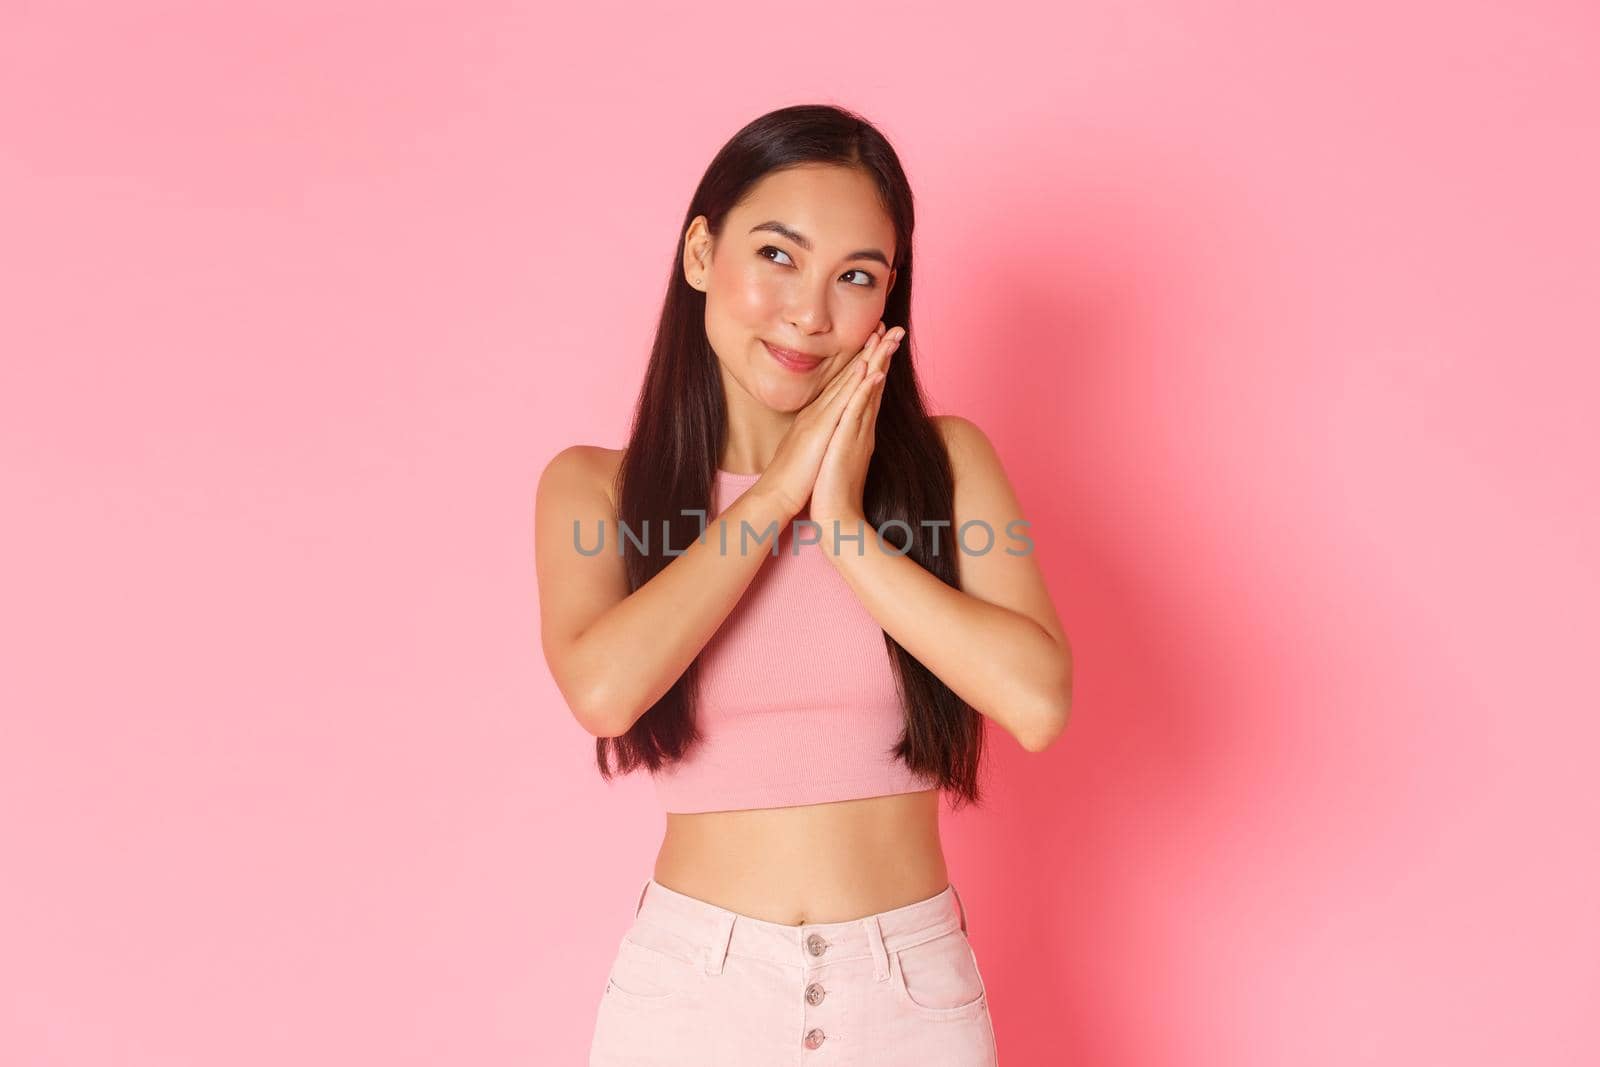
892	276
697	252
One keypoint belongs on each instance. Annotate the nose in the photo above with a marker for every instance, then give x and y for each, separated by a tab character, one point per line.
808	309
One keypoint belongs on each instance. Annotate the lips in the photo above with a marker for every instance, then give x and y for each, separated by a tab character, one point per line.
789	359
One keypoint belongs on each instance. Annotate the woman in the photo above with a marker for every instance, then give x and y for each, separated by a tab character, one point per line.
801	694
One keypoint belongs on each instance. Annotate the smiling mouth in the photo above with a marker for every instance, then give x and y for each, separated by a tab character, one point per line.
789	359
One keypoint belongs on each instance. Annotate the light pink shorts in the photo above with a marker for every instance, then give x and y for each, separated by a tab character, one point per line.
693	983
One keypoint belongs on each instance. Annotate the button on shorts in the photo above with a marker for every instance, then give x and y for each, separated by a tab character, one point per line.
693	983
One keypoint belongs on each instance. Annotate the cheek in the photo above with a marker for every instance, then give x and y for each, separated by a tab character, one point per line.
856	322
752	295
861	320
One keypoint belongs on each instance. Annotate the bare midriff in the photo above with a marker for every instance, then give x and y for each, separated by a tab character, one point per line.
812	863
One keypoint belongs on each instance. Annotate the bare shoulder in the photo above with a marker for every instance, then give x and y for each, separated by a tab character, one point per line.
984	494
580	473
575	586
973	458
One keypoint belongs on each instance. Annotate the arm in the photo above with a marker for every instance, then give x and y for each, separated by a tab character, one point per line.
996	641
612	653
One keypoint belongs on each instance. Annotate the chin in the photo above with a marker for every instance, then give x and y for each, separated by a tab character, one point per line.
781	395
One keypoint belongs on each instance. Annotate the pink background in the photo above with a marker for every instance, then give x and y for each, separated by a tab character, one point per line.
1281	316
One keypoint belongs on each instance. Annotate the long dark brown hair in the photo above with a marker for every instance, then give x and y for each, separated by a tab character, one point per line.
680	422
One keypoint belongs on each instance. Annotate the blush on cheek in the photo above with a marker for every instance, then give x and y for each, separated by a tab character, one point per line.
753	288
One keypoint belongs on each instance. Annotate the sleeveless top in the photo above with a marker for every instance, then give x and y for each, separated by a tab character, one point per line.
798	702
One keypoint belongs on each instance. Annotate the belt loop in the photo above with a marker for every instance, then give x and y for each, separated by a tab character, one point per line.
880	954
717	951
642	891
961	907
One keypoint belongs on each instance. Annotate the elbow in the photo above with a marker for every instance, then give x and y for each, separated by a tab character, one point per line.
596	712
593	725
1049	721
1044	732
600	726
606	723
590	693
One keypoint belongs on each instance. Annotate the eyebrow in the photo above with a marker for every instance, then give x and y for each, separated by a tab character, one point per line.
804	242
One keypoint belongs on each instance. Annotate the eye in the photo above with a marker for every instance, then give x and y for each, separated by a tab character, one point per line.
868	284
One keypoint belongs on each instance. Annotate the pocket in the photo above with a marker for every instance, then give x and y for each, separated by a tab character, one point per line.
650	970
940	977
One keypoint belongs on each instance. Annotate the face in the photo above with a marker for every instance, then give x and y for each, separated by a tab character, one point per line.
797	267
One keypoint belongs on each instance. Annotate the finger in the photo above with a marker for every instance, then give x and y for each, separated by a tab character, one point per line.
886	347
868	350
879	383
842	381
858	374
848	374
858	402
831	405
876	338
879	386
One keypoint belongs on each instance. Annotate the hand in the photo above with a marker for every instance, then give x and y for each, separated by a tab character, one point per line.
842	477
790	476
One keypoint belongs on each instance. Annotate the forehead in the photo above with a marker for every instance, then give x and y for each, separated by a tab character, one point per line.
838	208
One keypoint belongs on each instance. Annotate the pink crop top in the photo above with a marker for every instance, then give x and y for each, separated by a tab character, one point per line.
798	702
